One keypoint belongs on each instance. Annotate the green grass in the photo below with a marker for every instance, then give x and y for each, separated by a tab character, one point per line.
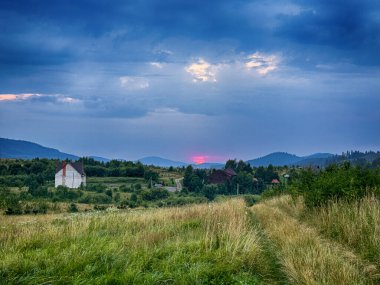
354	224
313	245
200	244
276	241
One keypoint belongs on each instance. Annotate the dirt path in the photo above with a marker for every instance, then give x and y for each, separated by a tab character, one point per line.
307	258
179	184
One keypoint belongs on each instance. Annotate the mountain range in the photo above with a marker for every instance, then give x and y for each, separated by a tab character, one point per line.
162	162
10	148
284	158
28	150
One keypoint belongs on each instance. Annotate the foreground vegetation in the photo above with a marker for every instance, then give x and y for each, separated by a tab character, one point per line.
309	253
318	226
276	241
201	244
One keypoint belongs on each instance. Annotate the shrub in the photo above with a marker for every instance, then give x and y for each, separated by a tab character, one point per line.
125	188
95	199
336	183
99	188
41	208
154	194
250	200
209	191
109	193
72	208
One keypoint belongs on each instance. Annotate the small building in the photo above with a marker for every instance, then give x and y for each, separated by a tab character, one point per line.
275	182
221	176
70	174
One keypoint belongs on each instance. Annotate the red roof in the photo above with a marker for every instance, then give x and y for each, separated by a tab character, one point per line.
78	166
221	176
230	172
275	181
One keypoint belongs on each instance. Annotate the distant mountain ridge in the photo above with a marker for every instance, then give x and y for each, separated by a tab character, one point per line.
27	150
21	149
284	158
161	162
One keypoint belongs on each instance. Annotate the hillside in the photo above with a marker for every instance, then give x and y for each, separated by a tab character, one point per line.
27	150
284	158
276	159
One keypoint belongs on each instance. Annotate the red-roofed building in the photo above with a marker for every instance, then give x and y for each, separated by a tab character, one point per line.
70	174
221	176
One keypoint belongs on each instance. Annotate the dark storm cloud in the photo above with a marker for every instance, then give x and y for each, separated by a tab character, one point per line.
347	29
141	69
45	32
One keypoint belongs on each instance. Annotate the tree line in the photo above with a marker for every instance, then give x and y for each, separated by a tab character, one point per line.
248	180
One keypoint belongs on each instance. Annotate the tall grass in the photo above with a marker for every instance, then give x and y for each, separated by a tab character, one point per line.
306	257
355	224
201	244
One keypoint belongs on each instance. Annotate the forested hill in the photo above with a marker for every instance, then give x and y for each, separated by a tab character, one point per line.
27	150
317	159
276	159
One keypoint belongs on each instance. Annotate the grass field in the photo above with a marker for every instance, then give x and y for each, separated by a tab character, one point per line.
115	182
201	244
316	246
277	241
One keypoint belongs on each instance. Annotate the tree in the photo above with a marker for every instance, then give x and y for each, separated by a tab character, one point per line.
187	177
209	191
231	163
150	174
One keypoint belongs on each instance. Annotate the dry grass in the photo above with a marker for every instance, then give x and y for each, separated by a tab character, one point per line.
198	244
307	258
355	224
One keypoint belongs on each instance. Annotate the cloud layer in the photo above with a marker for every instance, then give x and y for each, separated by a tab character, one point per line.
201	78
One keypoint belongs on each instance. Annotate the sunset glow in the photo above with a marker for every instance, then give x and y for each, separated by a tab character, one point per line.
14	97
199	159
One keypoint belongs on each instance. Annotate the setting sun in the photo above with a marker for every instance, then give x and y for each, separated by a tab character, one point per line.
199	159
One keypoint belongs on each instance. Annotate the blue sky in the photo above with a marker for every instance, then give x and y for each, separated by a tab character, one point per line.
220	79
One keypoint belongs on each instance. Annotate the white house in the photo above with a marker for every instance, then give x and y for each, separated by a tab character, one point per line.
70	174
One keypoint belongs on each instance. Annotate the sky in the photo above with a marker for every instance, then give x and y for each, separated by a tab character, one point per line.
191	80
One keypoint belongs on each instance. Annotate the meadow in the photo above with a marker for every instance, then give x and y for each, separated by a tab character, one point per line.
276	241
202	244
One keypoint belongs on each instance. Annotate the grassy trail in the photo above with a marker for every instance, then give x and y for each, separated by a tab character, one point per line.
305	256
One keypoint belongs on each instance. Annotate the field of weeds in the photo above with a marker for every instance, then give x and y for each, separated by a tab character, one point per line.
276	241
335	244
201	244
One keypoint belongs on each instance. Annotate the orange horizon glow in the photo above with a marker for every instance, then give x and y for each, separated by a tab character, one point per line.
14	97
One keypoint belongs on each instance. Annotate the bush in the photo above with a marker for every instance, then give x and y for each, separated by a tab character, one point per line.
336	183
100	208
72	208
125	188
209	191
99	188
154	194
64	193
41	208
250	200
95	199
109	193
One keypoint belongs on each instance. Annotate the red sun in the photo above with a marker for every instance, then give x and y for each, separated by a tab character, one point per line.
199	159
